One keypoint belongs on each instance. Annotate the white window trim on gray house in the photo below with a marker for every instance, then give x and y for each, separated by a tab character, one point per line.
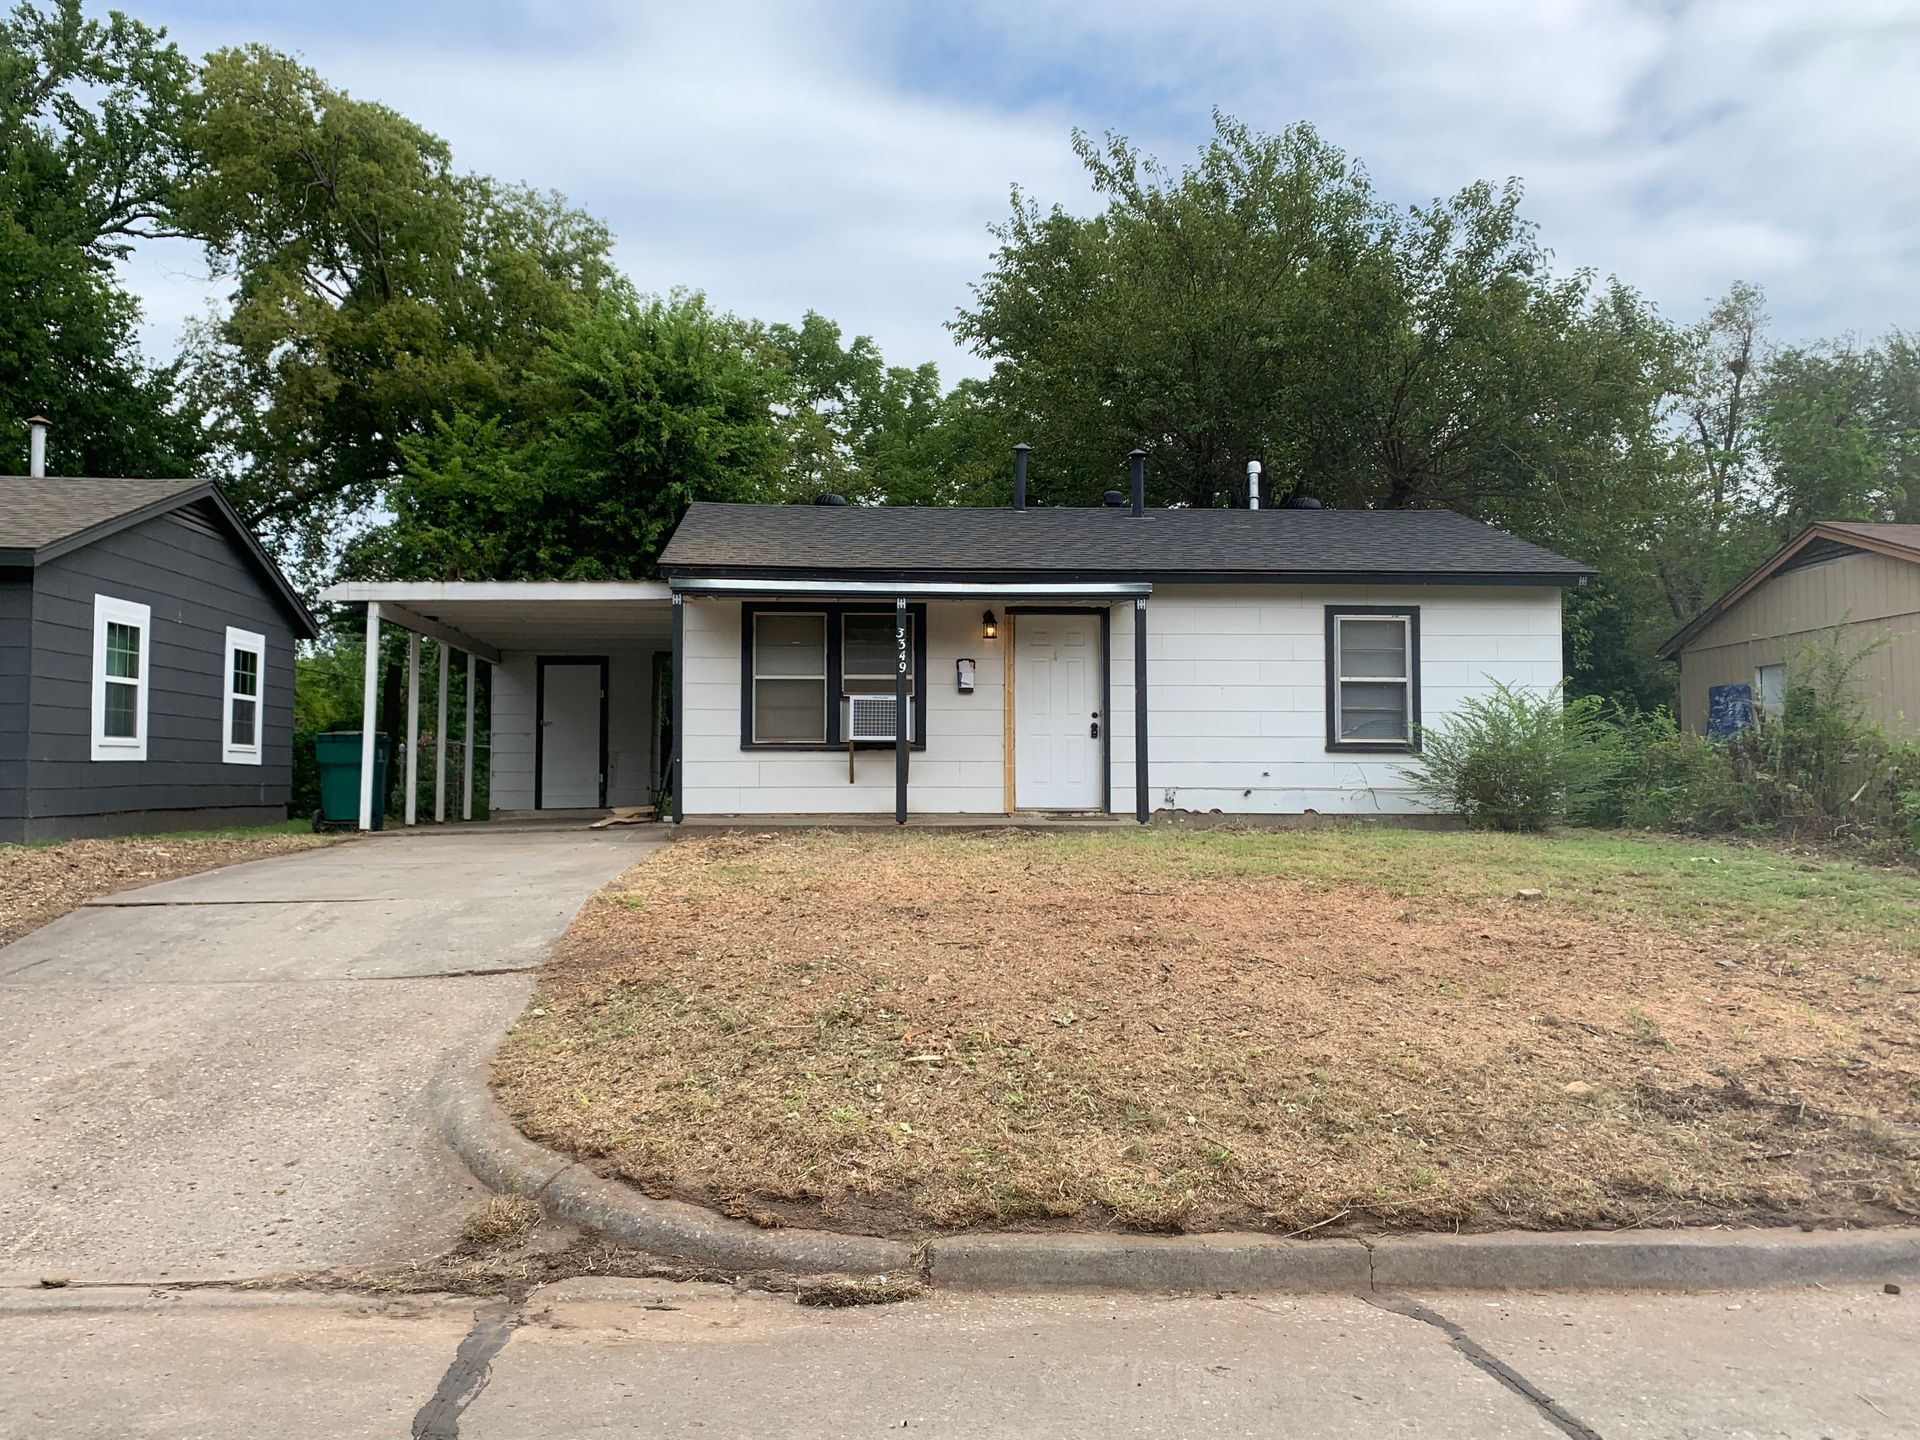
242	642
107	611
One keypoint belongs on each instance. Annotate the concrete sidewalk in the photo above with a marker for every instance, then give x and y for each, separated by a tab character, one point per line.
222	1075
591	1357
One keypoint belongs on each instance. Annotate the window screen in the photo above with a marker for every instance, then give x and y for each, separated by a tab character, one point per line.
790	678
123	681
1371	667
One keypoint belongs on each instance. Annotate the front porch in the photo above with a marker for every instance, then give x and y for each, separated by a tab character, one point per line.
744	703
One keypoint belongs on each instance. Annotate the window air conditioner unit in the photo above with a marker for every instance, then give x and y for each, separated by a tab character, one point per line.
870	717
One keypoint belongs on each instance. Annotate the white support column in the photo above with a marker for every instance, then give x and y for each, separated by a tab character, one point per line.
466	748
369	698
413	728
440	740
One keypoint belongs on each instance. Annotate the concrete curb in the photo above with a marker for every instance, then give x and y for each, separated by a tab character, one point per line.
507	1161
1147	1262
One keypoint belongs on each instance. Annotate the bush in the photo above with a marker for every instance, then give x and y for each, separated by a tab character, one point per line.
1517	760
1818	771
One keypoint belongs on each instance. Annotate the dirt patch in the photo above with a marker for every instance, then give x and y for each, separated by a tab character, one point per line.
40	883
893	1034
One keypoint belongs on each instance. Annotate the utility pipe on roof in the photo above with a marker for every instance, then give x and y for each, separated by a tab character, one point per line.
1137	462
1253	484
37	447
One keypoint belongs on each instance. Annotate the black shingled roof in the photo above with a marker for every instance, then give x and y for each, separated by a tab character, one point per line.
904	543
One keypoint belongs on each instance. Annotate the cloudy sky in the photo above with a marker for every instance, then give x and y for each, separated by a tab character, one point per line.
848	157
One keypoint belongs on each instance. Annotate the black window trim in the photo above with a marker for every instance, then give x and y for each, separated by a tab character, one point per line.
1335	745
835	613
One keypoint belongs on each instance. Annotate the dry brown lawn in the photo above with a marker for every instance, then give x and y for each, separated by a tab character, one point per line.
40	883
1325	1031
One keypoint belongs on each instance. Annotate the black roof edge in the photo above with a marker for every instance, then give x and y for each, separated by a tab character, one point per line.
1556	579
304	622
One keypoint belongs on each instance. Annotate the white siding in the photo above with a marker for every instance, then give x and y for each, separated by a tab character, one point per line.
629	729
960	772
1236	683
1237	686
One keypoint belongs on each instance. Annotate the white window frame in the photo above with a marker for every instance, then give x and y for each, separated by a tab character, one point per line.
239	641
755	677
1775	710
110	610
1338	679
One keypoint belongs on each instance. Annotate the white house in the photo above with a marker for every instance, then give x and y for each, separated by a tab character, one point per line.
1112	660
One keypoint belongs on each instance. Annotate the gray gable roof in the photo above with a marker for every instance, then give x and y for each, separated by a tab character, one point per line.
1264	545
41	511
43	517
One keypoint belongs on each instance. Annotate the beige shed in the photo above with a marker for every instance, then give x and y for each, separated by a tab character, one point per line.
1863	579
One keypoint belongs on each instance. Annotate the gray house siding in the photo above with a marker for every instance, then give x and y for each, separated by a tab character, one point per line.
197	582
16	651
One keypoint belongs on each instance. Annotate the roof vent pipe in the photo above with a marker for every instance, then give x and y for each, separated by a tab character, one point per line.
1138	461
1253	484
37	446
1113	499
1020	475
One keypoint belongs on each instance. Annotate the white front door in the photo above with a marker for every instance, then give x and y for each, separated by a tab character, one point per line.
1056	712
570	734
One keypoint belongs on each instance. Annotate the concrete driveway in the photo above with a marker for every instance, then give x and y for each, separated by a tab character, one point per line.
223	1075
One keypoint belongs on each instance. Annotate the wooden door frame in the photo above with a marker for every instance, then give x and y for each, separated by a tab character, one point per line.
1105	612
540	663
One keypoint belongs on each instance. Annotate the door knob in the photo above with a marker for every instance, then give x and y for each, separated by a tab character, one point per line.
1093	730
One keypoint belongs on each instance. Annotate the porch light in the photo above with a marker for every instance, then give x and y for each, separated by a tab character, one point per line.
989	627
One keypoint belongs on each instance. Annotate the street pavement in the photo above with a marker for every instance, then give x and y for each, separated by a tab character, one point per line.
593	1358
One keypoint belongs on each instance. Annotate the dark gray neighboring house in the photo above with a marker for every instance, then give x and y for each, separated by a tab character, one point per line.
146	660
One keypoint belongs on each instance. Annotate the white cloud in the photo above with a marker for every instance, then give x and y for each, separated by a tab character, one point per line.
848	158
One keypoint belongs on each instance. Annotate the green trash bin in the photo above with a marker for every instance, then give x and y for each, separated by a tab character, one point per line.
337	753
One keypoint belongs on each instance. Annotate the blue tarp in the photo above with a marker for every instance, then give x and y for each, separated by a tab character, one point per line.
1729	710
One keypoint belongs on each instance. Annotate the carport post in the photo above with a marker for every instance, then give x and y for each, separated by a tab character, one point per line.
466	749
369	698
902	723
679	707
440	741
413	727
1141	806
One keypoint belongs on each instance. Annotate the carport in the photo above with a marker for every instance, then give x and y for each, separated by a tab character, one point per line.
576	713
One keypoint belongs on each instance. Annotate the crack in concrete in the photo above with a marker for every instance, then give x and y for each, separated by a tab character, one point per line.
467	1376
1482	1358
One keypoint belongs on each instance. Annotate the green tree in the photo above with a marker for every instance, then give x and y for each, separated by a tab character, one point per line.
90	161
375	289
873	432
1265	304
636	409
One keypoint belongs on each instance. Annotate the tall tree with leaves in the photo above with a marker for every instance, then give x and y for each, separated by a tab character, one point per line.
636	409
876	433
1265	304
375	288
91	160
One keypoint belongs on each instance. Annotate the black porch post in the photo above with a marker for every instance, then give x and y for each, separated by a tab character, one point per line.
1141	807
902	725
679	708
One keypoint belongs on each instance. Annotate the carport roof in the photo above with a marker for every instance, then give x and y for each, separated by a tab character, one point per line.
556	615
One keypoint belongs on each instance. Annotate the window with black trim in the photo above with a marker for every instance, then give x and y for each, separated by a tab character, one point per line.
789	699
799	665
1373	677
